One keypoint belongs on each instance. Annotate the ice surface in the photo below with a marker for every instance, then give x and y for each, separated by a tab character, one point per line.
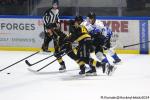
131	78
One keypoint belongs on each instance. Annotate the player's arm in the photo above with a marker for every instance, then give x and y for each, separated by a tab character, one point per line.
107	32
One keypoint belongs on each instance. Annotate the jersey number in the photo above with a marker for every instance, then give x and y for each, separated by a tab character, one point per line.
83	29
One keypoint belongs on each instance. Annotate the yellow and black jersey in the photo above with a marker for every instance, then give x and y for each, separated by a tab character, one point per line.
78	33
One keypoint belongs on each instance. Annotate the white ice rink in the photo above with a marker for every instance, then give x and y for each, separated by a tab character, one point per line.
131	78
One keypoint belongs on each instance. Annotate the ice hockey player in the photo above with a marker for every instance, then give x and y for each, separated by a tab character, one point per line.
52	31
51	22
101	36
79	34
50	19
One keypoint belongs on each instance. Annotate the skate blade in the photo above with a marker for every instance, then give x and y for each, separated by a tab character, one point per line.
46	53
117	63
62	71
91	74
110	73
82	75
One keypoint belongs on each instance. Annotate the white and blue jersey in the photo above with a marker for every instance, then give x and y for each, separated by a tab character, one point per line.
97	27
102	39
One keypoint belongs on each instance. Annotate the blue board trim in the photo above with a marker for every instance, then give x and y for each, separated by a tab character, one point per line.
20	16
71	17
111	17
144	48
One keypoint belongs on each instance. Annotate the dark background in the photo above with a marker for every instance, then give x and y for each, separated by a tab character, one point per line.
29	7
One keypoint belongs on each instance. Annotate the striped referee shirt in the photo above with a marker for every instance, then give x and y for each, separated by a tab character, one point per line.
51	16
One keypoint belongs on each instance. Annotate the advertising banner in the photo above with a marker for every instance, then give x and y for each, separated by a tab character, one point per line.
28	32
20	32
125	32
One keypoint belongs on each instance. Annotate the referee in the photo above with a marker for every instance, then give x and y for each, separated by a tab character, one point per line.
51	20
53	32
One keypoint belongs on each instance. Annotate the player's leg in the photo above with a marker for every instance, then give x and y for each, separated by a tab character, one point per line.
112	52
62	63
58	56
100	54
84	54
45	44
114	56
82	66
98	43
63	66
98	64
106	66
71	53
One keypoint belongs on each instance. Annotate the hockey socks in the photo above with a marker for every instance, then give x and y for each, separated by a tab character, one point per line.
105	60
63	67
116	58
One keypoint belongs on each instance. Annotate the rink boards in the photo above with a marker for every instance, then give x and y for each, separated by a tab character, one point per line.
26	33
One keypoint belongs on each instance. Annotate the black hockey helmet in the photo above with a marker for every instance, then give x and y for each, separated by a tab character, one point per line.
71	22
91	15
79	18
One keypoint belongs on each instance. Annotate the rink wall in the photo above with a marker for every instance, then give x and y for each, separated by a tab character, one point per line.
26	32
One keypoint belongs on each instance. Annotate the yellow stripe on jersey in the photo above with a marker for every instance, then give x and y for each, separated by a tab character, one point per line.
83	37
94	63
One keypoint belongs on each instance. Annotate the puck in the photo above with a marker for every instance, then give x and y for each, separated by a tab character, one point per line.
8	73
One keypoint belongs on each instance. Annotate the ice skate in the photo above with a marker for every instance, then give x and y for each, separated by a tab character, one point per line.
62	69
82	71
110	69
116	61
91	72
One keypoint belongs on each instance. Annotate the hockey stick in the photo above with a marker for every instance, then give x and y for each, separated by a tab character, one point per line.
53	72
53	60
49	63
29	64
19	61
135	44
